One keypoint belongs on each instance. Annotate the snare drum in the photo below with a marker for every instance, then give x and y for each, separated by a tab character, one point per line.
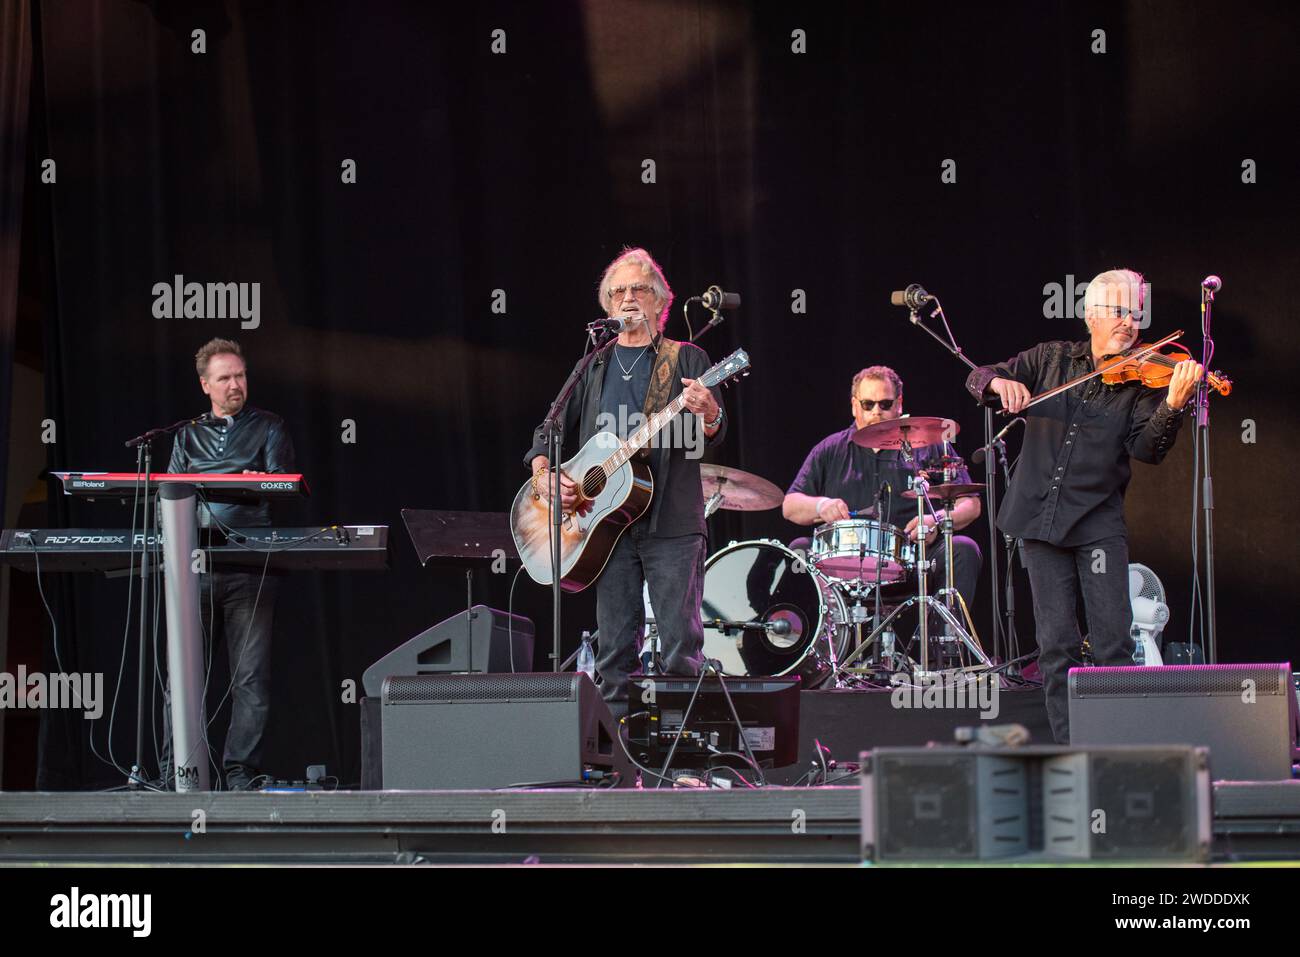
766	613
858	549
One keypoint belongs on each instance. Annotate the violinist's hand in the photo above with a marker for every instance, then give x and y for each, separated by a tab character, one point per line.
1013	394
1183	382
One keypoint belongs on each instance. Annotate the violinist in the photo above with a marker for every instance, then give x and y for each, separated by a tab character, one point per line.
1066	497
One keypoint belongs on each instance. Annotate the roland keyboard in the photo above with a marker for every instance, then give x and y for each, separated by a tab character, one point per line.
241	485
338	547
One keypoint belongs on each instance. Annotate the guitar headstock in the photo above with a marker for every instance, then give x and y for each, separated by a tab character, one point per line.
729	369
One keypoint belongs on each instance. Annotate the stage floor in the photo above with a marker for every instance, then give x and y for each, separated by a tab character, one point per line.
779	825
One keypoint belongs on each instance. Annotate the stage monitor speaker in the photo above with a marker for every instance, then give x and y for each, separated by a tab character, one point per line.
477	639
473	732
1245	714
943	804
1036	803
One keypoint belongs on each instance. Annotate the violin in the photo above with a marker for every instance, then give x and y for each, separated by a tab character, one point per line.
1142	363
1155	369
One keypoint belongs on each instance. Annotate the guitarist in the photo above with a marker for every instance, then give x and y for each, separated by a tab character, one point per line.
637	375
1066	498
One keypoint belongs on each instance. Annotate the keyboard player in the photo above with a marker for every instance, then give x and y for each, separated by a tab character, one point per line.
236	604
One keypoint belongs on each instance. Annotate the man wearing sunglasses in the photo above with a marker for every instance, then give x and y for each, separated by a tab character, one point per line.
839	478
1066	497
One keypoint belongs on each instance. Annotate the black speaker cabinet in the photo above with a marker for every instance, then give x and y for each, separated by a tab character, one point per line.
1036	803
470	732
477	639
1244	714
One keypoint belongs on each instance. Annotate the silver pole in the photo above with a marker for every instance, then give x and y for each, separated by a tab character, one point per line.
184	636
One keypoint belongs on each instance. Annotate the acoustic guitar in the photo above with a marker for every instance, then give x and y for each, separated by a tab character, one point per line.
614	480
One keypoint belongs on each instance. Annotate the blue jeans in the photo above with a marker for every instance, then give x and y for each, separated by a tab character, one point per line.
674	570
1058	577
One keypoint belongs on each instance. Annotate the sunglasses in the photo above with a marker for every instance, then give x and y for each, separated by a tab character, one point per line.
869	404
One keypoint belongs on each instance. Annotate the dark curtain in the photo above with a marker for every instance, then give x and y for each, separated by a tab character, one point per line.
776	172
15	78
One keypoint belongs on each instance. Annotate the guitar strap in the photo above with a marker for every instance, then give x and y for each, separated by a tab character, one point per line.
663	373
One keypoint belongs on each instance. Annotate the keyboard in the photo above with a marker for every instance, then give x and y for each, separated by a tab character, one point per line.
339	547
256	485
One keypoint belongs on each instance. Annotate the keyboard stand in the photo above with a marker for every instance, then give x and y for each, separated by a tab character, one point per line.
177	503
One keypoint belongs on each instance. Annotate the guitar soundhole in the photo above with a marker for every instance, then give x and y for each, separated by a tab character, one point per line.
593	483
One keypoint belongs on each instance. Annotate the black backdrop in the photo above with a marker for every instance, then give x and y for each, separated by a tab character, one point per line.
522	171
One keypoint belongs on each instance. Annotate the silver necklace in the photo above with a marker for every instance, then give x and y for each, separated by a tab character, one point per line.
627	372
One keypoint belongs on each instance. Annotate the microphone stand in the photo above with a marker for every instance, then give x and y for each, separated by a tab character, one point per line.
1013	548
1202	400
990	467
553	429
716	313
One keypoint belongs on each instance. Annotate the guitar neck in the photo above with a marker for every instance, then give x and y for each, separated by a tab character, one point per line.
642	437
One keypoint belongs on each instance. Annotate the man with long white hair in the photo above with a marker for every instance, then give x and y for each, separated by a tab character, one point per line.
1066	498
664	549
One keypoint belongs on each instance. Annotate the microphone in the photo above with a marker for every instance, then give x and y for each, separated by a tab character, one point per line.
715	299
978	455
1211	283
608	324
780	626
913	297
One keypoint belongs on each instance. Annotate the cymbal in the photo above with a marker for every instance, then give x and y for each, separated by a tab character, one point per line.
741	491
951	490
918	430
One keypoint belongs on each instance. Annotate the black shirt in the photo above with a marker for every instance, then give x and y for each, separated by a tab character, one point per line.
837	468
251	439
1068	488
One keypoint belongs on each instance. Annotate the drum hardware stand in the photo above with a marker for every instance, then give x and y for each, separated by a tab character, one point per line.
857	616
926	601
991	463
655	666
951	596
714	501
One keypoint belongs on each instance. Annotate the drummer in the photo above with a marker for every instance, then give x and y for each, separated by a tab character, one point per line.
839	477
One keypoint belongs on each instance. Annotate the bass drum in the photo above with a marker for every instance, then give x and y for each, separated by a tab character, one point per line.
766	614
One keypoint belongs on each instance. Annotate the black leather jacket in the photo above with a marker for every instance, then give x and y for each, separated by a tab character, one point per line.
253	439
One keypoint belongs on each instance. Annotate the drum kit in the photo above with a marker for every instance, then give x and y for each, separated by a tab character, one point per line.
826	613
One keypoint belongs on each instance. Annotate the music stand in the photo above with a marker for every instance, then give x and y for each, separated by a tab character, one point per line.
461	539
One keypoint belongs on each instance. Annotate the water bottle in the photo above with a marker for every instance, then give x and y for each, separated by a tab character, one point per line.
1139	649
587	657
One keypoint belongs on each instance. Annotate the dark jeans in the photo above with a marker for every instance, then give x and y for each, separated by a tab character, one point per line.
673	568
232	610
1058	576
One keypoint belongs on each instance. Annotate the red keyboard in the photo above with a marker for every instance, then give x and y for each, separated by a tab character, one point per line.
125	484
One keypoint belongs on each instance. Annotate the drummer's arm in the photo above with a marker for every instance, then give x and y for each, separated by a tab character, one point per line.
813	509
965	511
